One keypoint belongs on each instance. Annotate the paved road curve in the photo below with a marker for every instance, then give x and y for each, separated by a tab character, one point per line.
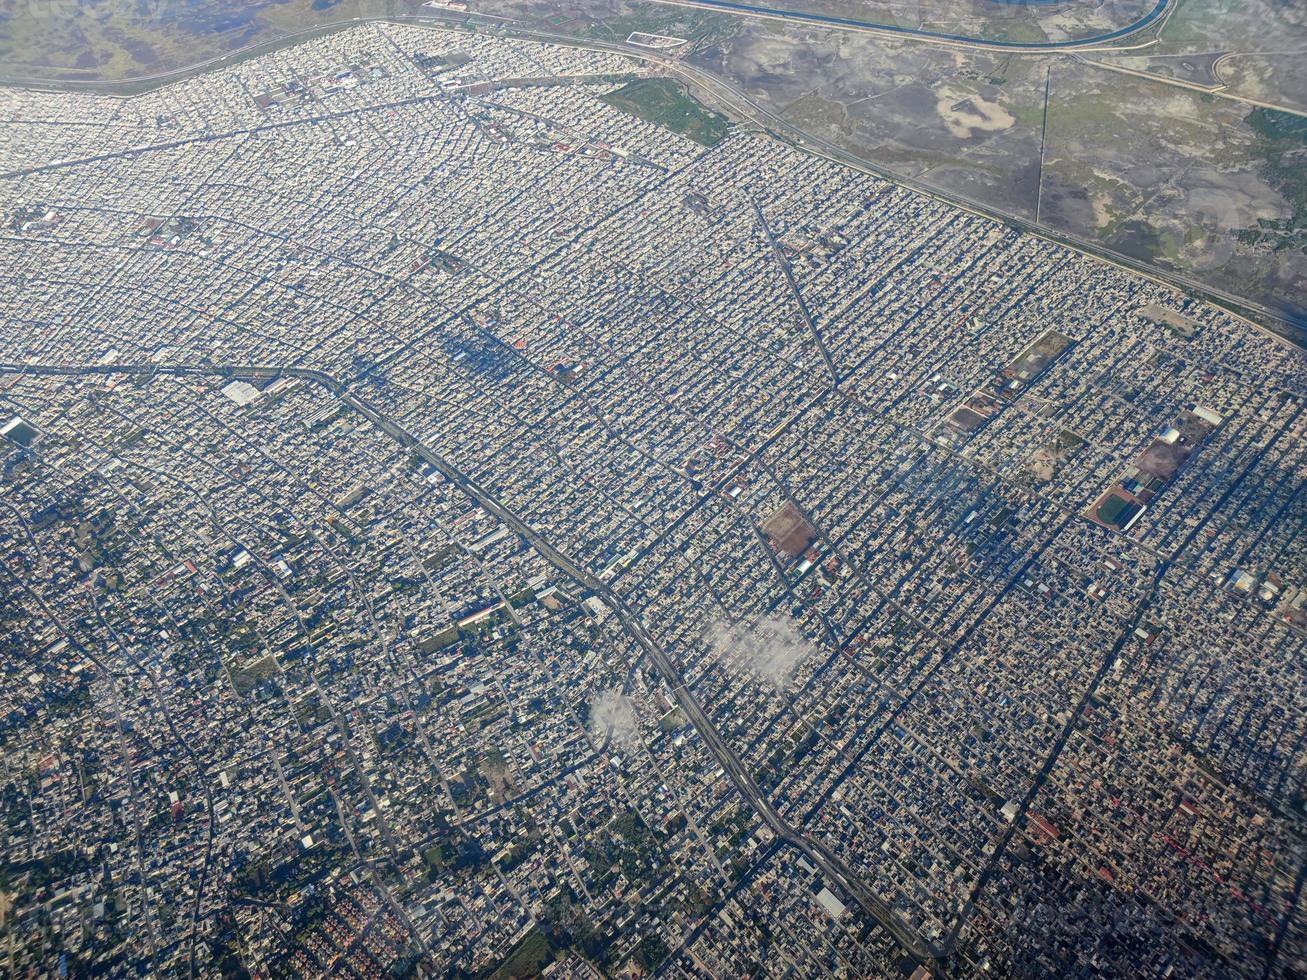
939	37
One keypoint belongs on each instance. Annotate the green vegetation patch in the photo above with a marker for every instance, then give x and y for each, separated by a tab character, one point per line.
666	103
528	958
444	555
438	641
1281	146
1273	124
449	855
1116	511
1067	441
1036	358
247	677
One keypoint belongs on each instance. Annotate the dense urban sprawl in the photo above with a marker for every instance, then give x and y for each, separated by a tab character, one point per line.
452	525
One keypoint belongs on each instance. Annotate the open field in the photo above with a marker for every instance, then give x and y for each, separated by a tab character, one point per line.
662	101
115	39
1204	186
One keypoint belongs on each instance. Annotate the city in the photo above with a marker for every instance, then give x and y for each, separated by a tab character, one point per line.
454	523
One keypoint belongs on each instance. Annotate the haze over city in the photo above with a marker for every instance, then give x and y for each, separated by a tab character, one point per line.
697	489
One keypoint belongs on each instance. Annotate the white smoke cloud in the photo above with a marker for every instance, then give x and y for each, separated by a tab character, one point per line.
770	648
613	720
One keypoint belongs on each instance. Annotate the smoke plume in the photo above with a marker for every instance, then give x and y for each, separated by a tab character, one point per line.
613	720
770	648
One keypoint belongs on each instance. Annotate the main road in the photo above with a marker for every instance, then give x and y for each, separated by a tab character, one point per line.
817	851
921	34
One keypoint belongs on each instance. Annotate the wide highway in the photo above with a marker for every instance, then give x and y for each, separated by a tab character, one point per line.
817	851
921	34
